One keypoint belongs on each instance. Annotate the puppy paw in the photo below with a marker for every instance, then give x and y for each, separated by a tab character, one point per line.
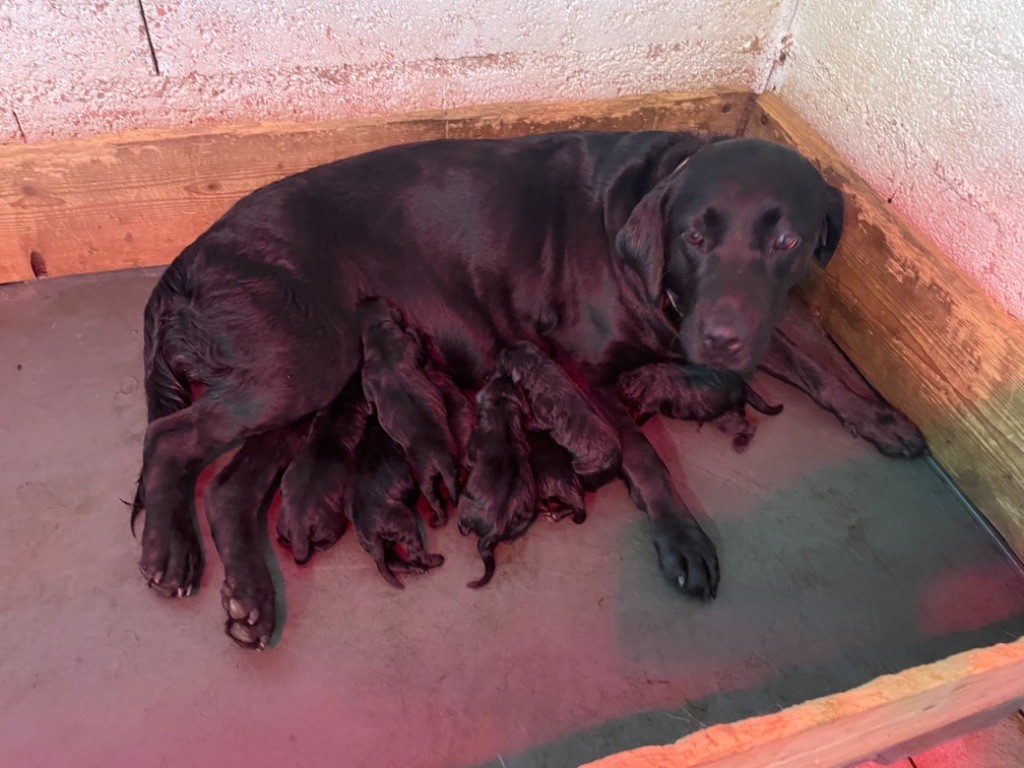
400	559
248	600
687	557
892	433
555	512
172	560
735	424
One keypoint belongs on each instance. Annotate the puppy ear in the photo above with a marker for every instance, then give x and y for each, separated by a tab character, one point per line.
831	226
641	241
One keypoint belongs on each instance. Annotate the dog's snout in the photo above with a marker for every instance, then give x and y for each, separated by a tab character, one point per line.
723	335
725	330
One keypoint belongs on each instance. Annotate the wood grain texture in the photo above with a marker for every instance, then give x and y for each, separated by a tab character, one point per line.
1000	746
922	331
137	199
850	727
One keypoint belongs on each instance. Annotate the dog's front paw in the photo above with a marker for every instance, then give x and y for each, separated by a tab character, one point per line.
248	600
172	560
892	433
687	557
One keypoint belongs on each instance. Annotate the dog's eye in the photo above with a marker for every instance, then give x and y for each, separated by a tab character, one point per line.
786	242
693	237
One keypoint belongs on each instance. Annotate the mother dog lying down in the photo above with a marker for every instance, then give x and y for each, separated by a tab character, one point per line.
609	250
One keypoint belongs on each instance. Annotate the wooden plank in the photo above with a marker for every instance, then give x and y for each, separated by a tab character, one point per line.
968	725
137	199
1000	746
922	331
851	727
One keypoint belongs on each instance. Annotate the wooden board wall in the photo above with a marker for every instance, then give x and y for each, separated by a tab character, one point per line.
132	200
861	724
922	331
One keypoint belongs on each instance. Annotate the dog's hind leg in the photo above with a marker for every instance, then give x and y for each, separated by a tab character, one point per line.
176	448
233	503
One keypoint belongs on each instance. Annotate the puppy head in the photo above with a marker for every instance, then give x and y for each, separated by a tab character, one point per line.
721	240
521	360
499	392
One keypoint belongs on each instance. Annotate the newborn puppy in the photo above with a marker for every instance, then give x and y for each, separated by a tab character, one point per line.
559	493
498	502
461	412
381	503
693	392
408	405
314	485
556	405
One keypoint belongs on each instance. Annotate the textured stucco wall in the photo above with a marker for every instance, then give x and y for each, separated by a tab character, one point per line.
77	68
926	99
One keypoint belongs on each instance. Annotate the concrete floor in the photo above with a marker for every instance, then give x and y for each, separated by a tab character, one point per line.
839	565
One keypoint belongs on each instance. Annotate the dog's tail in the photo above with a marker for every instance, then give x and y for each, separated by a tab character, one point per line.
380	558
485	547
167	390
758	403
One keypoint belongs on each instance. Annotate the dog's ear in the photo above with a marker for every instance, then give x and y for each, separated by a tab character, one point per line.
831	226
641	241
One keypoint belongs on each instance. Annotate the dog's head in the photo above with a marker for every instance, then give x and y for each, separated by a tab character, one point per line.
721	240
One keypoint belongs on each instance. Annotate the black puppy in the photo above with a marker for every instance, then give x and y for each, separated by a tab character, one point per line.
381	503
498	502
461	411
559	493
694	392
556	405
314	485
408	405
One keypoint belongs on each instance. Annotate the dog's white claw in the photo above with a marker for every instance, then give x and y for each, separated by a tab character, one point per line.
157	577
254	616
188	591
681	581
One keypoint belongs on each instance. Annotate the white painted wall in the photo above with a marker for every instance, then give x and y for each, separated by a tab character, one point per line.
77	67
926	99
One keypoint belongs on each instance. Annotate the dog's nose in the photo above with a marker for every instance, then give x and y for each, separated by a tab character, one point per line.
723	336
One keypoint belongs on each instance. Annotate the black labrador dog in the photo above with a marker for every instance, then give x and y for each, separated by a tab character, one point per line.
615	249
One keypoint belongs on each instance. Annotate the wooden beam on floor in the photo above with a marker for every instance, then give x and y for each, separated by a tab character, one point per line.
113	202
922	331
853	726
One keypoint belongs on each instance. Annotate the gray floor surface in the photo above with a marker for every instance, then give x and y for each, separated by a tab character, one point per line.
839	565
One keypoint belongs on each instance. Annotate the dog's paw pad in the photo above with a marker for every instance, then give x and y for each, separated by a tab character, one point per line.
249	605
